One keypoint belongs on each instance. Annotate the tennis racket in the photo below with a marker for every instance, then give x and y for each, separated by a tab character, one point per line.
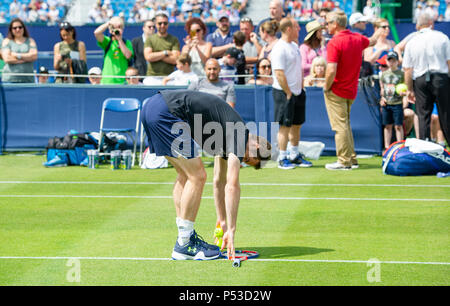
241	256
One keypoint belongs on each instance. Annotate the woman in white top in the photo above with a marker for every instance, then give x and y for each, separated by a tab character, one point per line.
198	49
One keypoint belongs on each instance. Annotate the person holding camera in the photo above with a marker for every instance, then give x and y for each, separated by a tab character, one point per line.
69	55
118	51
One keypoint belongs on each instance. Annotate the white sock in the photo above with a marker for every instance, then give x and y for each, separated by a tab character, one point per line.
293	152
185	229
283	155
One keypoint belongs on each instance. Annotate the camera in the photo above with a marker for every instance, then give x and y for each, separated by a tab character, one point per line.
116	32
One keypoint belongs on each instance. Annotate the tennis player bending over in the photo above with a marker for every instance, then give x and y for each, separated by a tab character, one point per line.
173	119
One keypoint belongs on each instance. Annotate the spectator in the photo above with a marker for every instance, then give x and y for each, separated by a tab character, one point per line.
370	11
95	75
267	32
14	9
53	15
358	23
432	9
400	47
222	38
213	85
426	64
198	49
43	75
322	16
23	14
239	41
263	73
228	64
317	76
69	55
3	17
118	52
276	13
19	52
288	94
161	49
253	45
382	64
184	76
138	43
132	76
313	45
391	102
344	58
95	14
329	4
435	128
382	46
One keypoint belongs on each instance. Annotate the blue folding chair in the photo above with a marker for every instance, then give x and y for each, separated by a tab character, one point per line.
121	105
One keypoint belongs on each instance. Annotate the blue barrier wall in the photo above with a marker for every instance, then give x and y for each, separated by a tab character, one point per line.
32	114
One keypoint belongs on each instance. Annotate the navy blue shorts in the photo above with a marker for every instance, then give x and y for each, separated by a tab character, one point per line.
167	135
392	114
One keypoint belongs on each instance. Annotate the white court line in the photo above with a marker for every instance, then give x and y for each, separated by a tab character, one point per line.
254	260
212	198
242	184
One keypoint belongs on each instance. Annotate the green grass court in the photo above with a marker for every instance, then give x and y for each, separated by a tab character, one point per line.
310	226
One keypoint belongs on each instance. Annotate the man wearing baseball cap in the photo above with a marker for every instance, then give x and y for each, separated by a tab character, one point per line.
358	23
222	38
95	75
43	75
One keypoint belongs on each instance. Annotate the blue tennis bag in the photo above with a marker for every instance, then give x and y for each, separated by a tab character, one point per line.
415	157
69	150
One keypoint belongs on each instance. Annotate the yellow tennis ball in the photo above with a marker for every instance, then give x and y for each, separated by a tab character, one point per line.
400	88
219	242
218	232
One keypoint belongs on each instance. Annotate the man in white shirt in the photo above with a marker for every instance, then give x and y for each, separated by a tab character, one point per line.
288	94
427	64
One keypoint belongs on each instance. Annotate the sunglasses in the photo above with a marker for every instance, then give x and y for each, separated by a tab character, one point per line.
265	66
163	23
64	25
384	27
17	28
247	19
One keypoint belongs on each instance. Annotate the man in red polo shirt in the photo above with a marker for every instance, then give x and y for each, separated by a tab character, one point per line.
344	57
